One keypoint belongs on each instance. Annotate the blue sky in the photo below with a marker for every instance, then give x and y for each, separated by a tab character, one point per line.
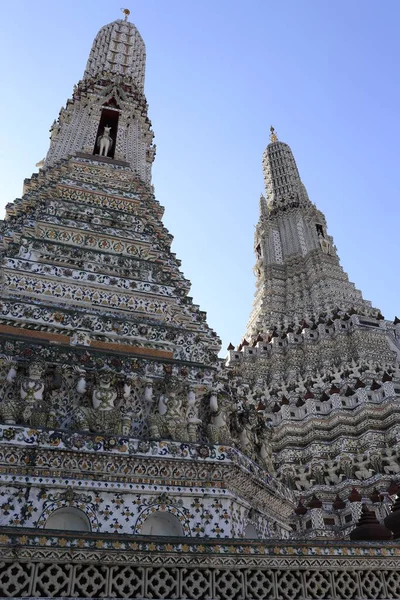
219	73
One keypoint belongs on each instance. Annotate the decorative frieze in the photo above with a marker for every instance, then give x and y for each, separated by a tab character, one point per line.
53	565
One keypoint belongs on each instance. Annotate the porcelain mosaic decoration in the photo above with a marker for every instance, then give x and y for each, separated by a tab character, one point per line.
133	461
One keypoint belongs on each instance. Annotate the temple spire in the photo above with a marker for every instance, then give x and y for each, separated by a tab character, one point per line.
263	206
118	49
281	176
297	267
107	114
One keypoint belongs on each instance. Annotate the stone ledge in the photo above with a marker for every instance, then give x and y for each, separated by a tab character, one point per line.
57	338
102	159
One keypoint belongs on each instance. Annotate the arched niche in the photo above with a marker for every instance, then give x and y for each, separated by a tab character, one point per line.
109	118
251	533
162	523
68	519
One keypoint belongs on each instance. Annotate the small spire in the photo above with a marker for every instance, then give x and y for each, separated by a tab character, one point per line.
263	206
126	12
368	527
272	136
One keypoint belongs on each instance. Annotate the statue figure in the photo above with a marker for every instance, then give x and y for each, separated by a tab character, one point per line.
247	425
362	471
303	480
104	395
318	471
392	466
170	422
332	474
324	243
288	475
375	460
218	430
102	416
105	142
25	401
11	404
192	415
346	466
265	438
31	390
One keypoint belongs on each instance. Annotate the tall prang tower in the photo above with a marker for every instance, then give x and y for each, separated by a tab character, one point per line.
116	416
133	462
322	362
298	271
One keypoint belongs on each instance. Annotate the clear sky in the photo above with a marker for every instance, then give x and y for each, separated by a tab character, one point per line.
219	73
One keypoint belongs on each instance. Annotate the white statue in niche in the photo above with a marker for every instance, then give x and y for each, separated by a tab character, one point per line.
105	142
324	243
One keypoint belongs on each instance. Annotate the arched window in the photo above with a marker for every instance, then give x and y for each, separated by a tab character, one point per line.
251	533
162	523
109	118
68	519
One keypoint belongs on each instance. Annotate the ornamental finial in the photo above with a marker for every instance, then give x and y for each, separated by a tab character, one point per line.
126	12
272	136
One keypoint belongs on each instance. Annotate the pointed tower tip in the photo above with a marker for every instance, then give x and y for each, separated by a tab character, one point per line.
272	136
263	206
129	61
126	12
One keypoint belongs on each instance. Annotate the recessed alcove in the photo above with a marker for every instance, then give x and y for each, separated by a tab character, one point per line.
162	523
251	533
109	118
68	519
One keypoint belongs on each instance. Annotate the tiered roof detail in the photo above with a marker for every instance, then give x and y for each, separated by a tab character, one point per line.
69	246
119	49
281	176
